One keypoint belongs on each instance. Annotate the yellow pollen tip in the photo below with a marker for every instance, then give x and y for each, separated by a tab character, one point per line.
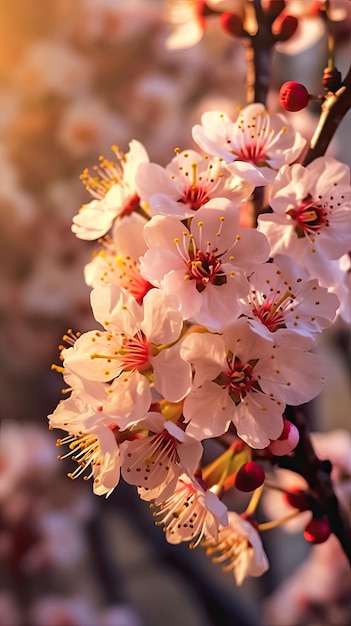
176	239
200	224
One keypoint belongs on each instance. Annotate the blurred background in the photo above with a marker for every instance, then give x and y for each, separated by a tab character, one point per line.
76	77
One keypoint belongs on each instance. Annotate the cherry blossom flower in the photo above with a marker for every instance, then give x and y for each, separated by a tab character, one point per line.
187	22
238	549
204	266
95	401
191	512
113	190
241	377
135	343
96	450
311	219
57	610
154	461
187	183
282	300
118	261
254	147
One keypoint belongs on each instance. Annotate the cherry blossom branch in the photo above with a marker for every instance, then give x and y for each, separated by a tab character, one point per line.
333	110
316	472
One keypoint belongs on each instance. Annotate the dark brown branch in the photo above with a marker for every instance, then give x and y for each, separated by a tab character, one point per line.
316	472
334	108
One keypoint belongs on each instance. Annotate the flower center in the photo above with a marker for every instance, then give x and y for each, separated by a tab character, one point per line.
270	310
310	217
238	378
203	263
134	353
253	153
205	268
195	196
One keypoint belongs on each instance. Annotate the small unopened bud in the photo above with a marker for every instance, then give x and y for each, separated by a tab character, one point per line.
232	24
317	530
293	96
331	79
273	7
284	27
287	441
297	498
249	477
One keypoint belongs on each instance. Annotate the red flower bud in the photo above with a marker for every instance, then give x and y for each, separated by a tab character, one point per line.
284	27
274	7
287	441
297	498
232	24
250	476
317	530
293	96
331	79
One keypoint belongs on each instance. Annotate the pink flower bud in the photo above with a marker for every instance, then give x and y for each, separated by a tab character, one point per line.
297	498
232	24
293	96
317	530
287	441
250	476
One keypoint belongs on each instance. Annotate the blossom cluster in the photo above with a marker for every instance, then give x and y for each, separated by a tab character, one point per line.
205	327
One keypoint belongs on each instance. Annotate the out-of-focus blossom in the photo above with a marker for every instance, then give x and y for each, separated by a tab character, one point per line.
59	610
35	76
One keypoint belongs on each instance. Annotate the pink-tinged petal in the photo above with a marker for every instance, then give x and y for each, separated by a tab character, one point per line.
93	221
258	419
133	159
84	360
162	204
217	507
161	231
116	309
157	262
206	352
258	176
208	410
293	376
246	344
128	236
172	375
216	222
220	306
150	179
251	248
128	398
163	320
324	172
190	299
281	234
114	200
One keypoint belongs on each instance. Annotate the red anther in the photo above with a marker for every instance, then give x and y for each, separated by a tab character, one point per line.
317	530
250	476
232	24
297	498
293	96
284	27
